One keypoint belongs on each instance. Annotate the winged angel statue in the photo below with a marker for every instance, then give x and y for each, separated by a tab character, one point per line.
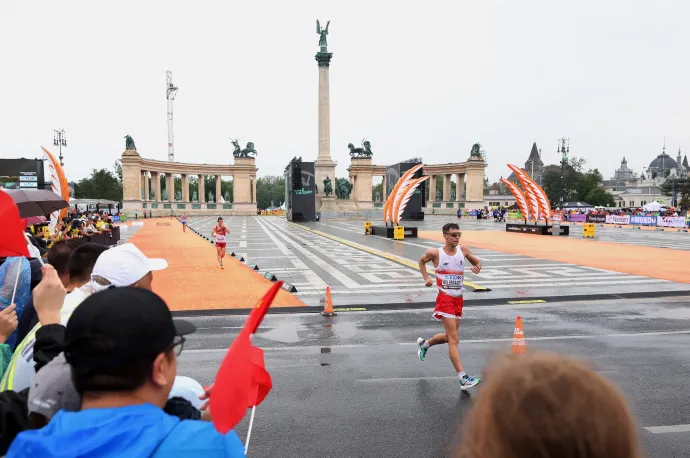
322	32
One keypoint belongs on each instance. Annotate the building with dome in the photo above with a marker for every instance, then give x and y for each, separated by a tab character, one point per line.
632	191
664	166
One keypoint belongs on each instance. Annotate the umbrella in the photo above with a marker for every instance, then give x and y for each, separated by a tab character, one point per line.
36	202
35	220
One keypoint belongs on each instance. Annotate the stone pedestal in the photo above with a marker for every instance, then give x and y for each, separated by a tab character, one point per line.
362	172
323	168
242	184
327	204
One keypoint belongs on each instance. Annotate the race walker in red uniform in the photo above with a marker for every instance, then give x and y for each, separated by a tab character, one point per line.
220	230
449	265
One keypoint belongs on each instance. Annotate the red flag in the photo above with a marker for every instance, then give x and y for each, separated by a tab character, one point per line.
259	311
12	241
260	377
242	380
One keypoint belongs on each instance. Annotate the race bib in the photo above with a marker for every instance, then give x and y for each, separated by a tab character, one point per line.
220	238
451	281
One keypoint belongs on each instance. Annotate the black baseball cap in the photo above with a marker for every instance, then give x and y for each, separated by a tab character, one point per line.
119	325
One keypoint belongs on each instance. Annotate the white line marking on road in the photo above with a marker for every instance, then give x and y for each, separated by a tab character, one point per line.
469	342
668	429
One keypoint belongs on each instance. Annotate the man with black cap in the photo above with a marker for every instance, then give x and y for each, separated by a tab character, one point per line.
122	344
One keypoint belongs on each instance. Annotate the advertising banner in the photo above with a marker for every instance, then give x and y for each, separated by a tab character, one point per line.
615	219
596	218
670	221
577	218
643	220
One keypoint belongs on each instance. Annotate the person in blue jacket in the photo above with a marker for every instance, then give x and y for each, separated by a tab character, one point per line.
122	345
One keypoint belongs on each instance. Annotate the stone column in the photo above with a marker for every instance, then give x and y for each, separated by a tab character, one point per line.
218	190
475	187
324	164
459	186
156	179
383	194
131	180
147	188
253	189
185	188
446	188
170	187
202	192
432	188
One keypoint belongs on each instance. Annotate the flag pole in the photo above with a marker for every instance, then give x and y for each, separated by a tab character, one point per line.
249	432
16	281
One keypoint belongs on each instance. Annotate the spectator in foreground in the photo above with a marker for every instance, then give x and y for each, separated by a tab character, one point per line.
58	257
122	345
543	405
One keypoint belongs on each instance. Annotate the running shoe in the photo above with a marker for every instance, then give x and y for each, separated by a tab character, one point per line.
468	382
421	351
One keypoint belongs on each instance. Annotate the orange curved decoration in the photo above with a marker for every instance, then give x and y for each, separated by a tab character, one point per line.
59	184
393	199
406	195
519	197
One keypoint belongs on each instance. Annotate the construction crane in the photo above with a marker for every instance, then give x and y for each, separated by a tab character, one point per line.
170	91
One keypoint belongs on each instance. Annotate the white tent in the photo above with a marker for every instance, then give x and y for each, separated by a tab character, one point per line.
652	207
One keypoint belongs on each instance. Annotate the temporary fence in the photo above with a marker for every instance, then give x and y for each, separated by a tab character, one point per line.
635	220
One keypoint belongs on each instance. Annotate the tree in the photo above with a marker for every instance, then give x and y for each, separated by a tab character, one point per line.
682	190
270	190
118	170
379	188
575	184
102	184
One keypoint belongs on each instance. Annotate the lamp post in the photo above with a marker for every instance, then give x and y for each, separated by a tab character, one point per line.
60	140
563	150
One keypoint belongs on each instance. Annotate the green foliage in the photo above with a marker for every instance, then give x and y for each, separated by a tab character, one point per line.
102	184
575	184
379	188
270	189
682	188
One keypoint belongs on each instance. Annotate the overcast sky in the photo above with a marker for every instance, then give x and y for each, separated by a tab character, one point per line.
422	79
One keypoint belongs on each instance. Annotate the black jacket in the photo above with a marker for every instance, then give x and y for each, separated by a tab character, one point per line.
14	413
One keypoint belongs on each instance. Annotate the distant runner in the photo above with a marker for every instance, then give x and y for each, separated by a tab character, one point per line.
220	230
184	222
449	262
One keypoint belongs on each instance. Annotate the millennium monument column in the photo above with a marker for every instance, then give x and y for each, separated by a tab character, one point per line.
324	165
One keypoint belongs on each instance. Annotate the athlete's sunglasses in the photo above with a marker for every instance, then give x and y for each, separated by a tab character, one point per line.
454	234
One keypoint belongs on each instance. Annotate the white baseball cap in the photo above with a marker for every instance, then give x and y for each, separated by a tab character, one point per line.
189	389
125	264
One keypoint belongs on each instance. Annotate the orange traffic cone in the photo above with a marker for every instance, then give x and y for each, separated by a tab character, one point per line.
518	338
328	308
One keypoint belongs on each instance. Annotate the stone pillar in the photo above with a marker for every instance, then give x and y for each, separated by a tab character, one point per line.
131	180
446	188
475	188
202	192
170	187
432	188
185	188
147	187
383	194
156	179
459	186
218	189
324	164
253	188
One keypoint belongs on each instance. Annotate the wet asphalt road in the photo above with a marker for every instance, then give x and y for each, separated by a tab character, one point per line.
352	385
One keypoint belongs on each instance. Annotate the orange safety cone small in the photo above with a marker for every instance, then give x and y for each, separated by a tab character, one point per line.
518	338
328	307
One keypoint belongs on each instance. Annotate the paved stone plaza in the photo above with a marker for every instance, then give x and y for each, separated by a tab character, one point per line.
363	269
